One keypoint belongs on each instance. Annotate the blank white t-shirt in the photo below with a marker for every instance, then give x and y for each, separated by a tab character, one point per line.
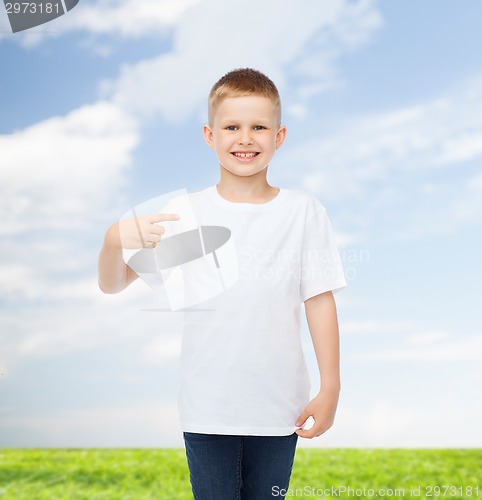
243	370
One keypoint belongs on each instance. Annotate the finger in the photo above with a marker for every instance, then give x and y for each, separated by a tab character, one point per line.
303	418
153	238
162	217
305	433
315	431
157	230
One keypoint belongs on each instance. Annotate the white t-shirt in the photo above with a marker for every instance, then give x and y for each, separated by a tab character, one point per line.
242	366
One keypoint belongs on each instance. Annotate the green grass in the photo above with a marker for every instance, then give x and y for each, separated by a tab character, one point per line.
141	474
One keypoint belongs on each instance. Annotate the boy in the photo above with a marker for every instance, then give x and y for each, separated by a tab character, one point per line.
244	393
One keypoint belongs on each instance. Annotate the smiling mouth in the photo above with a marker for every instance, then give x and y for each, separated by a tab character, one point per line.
247	155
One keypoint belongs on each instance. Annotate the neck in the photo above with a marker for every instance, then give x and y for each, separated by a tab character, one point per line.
251	189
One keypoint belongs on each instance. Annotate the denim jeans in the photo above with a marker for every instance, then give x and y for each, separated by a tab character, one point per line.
225	467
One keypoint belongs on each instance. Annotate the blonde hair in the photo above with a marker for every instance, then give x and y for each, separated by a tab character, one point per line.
243	82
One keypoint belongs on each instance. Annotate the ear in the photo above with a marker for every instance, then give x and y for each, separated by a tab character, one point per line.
208	136
280	136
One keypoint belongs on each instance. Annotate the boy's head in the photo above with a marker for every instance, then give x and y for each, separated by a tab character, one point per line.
244	122
243	82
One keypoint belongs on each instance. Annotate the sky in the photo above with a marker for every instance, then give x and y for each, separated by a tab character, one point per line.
103	108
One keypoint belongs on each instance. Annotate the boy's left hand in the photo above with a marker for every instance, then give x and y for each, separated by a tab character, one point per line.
322	408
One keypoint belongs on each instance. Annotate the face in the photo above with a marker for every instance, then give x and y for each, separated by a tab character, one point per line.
245	134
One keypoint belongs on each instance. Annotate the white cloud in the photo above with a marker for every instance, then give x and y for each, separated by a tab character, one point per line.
53	331
146	425
475	183
274	45
384	420
61	171
211	24
376	327
59	179
15	278
125	18
426	347
163	349
128	18
405	340
427	337
443	132
404	163
346	27
388	423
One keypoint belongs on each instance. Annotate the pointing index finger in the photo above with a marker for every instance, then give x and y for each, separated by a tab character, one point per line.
161	217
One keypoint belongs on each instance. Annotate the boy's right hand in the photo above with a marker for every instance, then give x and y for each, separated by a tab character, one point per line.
143	232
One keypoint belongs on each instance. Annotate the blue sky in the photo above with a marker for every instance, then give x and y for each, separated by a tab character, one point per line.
102	109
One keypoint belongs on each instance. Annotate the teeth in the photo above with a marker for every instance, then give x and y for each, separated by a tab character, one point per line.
245	155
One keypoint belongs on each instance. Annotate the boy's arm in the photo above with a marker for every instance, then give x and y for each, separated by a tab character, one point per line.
114	273
139	232
323	324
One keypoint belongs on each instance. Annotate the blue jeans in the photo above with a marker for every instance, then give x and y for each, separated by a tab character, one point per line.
225	467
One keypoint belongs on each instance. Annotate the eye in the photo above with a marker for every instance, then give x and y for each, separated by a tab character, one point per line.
259	127
231	127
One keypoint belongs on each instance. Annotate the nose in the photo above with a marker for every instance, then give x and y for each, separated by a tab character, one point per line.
245	137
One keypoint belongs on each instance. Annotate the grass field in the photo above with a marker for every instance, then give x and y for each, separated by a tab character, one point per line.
139	474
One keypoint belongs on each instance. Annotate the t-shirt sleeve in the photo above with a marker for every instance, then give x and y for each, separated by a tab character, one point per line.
321	268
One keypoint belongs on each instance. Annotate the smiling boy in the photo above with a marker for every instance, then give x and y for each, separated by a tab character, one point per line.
245	132
245	390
